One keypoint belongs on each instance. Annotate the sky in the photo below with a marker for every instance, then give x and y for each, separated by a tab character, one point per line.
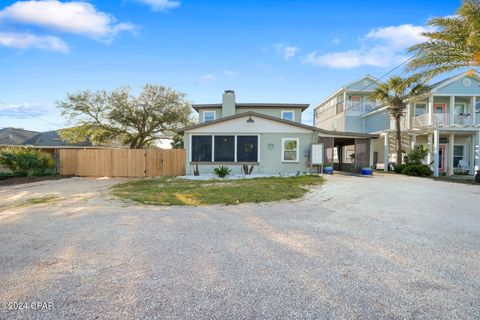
283	51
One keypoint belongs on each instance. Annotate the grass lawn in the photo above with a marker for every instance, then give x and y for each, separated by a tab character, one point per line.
176	191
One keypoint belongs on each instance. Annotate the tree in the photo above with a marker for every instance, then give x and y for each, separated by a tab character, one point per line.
117	116
455	44
395	94
177	141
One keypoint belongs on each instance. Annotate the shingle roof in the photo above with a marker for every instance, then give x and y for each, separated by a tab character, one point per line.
52	139
15	136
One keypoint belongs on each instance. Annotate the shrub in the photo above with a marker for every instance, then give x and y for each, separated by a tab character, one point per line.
222	171
25	161
417	155
399	168
419	170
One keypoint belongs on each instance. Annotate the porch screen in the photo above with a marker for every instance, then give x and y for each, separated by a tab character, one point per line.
224	148
201	148
247	149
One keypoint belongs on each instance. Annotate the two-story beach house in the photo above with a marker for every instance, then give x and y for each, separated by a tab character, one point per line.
446	120
269	136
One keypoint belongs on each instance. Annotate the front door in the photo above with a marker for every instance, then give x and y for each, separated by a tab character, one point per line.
440	111
441	158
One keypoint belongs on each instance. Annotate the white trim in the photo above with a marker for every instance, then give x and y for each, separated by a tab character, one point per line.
290	111
210	111
282	158
415	108
464	107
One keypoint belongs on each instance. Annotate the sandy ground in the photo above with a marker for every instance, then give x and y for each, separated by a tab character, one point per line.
387	247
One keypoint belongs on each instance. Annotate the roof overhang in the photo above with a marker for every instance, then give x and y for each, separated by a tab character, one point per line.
302	106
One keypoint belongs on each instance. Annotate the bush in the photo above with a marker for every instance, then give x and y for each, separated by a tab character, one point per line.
419	170
6	175
222	171
25	161
399	168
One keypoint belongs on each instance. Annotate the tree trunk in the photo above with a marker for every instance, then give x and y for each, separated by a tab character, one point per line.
399	141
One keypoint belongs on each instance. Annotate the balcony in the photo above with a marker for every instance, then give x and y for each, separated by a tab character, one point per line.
356	106
442	119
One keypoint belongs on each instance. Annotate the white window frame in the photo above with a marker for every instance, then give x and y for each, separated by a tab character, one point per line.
289	111
297	140
213	145
464	154
210	111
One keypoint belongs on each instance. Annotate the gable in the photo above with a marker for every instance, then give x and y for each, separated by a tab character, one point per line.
240	125
463	85
366	83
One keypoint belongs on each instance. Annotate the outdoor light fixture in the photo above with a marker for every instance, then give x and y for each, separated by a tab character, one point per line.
250	120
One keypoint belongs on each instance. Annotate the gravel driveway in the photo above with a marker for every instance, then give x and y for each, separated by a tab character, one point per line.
388	247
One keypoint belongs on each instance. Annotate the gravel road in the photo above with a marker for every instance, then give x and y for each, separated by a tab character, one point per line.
387	247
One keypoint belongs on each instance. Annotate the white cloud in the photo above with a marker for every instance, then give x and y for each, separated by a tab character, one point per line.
286	51
160	5
336	40
208	78
22	111
71	17
28	40
381	47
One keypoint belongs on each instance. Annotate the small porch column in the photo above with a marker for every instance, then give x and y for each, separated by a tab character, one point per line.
413	141
452	111
451	144
473	153
430	149
370	162
430	111
385	152
474	103
436	145
408	121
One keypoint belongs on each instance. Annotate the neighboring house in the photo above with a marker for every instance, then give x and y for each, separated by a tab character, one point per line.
446	120
13	136
268	136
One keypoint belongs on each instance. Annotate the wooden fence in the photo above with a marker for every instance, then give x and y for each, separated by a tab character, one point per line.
122	162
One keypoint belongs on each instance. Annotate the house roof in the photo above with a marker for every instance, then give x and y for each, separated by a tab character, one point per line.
302	106
52	139
449	80
292	123
15	135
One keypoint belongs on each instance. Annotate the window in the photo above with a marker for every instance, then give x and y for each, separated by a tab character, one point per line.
288	115
290	150
247	149
224	148
420	108
201	148
458	154
209	116
460	109
208	148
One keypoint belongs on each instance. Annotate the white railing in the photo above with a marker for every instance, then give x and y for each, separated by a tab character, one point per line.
360	106
420	121
441	119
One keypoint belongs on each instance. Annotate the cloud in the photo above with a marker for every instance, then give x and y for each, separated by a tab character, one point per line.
28	40
336	40
160	5
380	47
22	111
286	51
208	78
69	17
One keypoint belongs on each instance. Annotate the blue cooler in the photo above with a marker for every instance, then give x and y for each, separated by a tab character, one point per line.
366	171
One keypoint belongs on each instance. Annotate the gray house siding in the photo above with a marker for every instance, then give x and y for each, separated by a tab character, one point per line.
377	122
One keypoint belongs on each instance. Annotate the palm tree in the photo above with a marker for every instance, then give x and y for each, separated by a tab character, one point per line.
455	44
395	94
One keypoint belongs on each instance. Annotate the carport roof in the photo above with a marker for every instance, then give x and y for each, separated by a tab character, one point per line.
292	123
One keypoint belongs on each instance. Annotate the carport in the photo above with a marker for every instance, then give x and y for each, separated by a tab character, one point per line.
348	151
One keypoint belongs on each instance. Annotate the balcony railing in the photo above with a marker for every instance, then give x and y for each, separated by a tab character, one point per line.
442	119
360	106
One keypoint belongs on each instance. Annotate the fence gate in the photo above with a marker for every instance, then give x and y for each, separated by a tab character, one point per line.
122	162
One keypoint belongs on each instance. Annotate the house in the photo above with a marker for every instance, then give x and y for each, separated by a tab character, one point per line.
269	136
446	120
